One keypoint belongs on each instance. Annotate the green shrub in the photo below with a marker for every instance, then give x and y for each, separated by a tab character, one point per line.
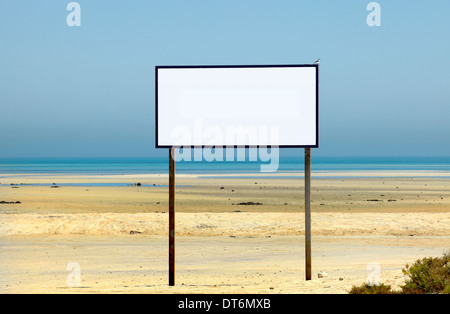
427	275
371	289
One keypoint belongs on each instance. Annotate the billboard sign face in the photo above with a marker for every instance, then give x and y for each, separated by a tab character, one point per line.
237	106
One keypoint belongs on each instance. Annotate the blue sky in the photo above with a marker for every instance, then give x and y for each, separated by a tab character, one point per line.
89	91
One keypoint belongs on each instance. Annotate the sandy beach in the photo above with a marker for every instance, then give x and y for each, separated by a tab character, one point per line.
234	234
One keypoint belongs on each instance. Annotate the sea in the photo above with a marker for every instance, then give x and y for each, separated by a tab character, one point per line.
120	166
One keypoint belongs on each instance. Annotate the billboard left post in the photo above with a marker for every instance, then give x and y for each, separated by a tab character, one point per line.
171	217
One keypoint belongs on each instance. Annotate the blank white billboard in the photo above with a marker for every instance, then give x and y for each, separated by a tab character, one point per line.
232	106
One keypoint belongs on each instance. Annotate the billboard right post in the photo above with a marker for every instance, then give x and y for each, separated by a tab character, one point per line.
308	213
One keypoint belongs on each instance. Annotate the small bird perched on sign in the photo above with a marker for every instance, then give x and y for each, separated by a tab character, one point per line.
317	61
